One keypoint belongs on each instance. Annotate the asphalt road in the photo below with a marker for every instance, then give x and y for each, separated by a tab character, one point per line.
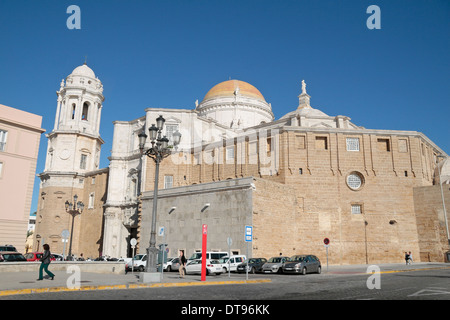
427	284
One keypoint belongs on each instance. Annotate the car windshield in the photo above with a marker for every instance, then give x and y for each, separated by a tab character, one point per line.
297	258
196	255
254	260
138	257
214	261
223	260
13	257
277	259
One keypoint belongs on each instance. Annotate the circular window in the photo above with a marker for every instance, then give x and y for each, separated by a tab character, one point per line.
355	180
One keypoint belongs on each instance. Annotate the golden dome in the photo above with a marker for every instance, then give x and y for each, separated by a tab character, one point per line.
231	87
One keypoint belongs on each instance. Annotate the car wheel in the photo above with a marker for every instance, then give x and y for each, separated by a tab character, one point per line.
319	269
304	271
169	269
141	268
253	270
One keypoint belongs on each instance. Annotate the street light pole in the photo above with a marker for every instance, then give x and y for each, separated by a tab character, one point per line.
157	152
73	209
443	200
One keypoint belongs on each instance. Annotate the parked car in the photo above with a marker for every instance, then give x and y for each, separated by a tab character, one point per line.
172	264
139	263
11	256
126	260
195	266
209	255
274	265
304	263
254	265
58	257
36	256
231	262
8	247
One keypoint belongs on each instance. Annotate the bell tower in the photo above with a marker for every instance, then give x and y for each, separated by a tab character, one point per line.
72	164
74	144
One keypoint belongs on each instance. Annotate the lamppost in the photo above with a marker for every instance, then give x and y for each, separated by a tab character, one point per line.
442	196
73	209
159	150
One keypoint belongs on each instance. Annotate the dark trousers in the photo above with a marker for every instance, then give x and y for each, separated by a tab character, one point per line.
44	266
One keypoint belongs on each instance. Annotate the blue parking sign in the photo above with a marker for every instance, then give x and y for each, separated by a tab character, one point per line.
248	233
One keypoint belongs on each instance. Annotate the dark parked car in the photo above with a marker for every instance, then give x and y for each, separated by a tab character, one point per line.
303	263
11	256
254	265
8	247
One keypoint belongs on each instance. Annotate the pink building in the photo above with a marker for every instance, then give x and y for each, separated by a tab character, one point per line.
20	133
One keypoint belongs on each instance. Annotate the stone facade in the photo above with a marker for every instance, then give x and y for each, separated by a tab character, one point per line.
308	198
431	227
297	180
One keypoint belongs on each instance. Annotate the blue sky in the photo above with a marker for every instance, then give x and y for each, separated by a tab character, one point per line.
170	53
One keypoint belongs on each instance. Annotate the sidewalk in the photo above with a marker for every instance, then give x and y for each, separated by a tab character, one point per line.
13	283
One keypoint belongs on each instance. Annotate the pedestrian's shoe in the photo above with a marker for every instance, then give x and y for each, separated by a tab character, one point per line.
53	277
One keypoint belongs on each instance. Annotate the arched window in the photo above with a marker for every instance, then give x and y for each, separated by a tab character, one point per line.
73	110
84	114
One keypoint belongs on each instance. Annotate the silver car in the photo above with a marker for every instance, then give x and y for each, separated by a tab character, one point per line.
303	263
274	265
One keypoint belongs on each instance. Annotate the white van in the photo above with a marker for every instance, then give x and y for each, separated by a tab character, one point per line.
139	263
231	262
214	255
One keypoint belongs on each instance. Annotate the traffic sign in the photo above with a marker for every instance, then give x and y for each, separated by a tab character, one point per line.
248	233
65	234
326	241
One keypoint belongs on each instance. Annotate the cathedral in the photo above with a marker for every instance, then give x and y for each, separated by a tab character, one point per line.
296	180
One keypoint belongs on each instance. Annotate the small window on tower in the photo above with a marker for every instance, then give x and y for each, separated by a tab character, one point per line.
83	161
73	110
84	115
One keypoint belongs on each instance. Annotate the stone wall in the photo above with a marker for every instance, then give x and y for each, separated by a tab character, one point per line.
229	211
431	228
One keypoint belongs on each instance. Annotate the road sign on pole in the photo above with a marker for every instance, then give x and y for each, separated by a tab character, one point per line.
204	239
65	235
326	243
229	242
248	233
248	238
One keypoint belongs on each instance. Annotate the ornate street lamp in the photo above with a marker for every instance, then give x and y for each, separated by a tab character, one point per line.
73	209
160	149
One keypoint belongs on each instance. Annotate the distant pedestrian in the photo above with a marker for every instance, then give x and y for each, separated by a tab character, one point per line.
410	257
45	261
182	264
407	257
